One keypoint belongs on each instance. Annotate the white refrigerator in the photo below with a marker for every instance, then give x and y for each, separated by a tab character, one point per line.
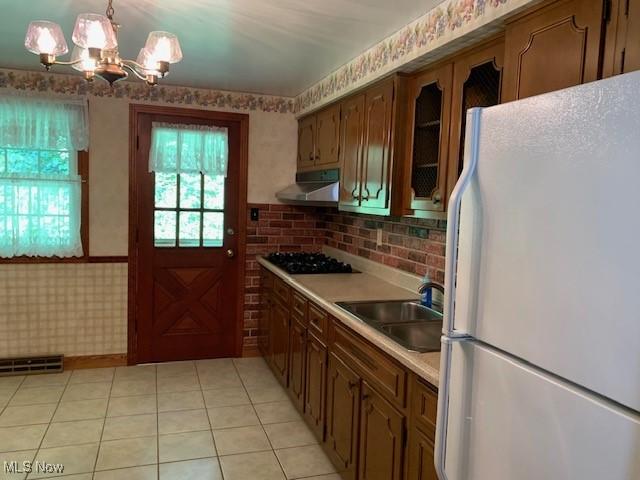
540	364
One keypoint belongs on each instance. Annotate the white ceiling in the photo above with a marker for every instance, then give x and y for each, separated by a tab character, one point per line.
277	47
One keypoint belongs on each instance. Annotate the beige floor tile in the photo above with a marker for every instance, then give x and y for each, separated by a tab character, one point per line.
37	395
19	457
169	402
274	393
331	476
230	441
128	388
77	476
178	384
215	364
254	466
81	410
183	421
27	415
12	382
300	462
210	381
86	391
175	369
73	433
76	459
137	405
130	452
236	416
186	446
91	375
250	363
225	397
116	428
290	434
259	379
147	472
202	469
136	372
21	438
277	412
47	379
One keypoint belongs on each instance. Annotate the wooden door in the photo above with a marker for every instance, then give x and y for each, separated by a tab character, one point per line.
376	153
187	257
476	83
555	47
381	438
315	384
297	347
306	142
328	137
429	116
343	406
421	462
279	339
351	131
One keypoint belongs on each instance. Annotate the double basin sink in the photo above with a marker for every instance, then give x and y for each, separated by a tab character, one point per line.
408	323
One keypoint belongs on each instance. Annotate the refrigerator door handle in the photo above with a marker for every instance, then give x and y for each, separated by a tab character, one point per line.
449	334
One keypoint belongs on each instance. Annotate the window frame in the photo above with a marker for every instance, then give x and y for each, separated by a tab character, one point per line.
83	171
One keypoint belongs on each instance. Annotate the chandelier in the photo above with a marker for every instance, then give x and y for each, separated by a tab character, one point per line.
95	52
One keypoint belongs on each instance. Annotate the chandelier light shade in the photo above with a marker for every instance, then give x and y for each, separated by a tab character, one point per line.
96	49
45	37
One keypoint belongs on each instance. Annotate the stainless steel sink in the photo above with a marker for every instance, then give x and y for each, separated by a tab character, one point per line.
409	323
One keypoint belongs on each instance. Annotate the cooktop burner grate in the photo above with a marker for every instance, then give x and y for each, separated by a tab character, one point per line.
297	263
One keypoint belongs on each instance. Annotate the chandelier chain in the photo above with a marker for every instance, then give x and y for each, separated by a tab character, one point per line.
110	10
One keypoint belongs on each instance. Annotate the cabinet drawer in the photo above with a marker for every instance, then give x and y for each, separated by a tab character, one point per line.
424	404
282	291
299	307
318	321
374	366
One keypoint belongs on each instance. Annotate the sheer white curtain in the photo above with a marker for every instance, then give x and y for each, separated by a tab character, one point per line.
183	148
40	189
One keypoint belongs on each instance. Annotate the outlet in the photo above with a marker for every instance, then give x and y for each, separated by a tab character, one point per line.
255	214
378	237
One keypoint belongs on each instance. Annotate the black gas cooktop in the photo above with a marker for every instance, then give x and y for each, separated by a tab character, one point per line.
306	263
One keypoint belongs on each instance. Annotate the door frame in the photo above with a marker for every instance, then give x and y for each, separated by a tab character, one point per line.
242	119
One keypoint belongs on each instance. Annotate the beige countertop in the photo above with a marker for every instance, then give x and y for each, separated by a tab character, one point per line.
326	289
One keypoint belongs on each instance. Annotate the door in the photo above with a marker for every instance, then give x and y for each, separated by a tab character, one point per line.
376	153
534	61
328	137
279	339
306	142
297	346
185	247
351	130
381	438
420	465
343	407
315	384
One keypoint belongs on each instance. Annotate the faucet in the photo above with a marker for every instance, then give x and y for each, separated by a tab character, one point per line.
424	285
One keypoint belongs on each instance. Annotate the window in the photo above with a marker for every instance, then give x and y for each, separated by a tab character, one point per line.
40	182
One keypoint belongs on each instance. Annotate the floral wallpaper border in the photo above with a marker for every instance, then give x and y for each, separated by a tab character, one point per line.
447	22
29	81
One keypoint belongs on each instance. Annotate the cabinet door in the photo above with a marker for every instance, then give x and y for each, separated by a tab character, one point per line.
306	142
297	347
315	384
622	40
328	137
343	406
429	113
376	152
264	315
351	128
555	47
279	337
382	430
476	83
421	462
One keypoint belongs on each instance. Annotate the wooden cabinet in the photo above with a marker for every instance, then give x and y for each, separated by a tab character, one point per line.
351	128
622	43
422	434
279	339
297	357
318	140
554	47
315	384
420	464
343	406
266	285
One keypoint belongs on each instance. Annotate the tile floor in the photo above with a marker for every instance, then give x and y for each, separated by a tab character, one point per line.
211	419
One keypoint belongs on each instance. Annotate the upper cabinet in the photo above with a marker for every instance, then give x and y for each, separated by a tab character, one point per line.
318	136
554	47
622	44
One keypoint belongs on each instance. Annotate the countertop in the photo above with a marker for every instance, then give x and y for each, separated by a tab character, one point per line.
326	289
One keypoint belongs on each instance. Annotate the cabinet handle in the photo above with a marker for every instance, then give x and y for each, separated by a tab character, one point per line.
437	197
311	156
353	384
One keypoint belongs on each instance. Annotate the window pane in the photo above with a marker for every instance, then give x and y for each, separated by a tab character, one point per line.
214	192
3	160
54	163
165	229
22	161
189	229
190	190
213	229
166	190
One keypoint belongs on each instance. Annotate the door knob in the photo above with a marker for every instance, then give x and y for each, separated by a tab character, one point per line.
231	253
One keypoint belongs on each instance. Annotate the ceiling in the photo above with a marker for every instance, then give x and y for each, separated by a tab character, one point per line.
278	47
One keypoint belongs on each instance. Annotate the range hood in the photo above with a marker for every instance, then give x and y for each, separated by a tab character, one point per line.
320	188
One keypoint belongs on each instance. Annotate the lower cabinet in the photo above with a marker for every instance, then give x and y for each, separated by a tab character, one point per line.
297	349
279	340
421	462
315	384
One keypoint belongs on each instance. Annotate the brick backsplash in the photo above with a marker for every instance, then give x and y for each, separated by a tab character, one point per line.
413	245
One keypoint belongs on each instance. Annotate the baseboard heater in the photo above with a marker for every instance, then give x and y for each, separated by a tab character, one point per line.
28	365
